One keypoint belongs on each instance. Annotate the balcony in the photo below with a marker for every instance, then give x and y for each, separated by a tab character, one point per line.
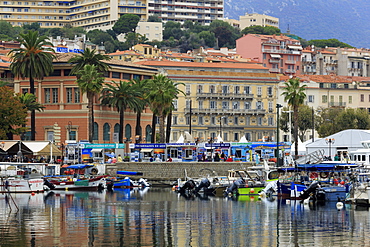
281	51
225	111
274	70
274	61
290	62
337	104
224	96
290	71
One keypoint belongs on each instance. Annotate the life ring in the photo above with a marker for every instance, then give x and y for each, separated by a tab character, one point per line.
314	175
324	174
94	171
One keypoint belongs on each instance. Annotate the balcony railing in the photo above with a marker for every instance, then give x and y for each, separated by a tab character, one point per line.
225	95
290	62
273	70
228	111
274	61
337	104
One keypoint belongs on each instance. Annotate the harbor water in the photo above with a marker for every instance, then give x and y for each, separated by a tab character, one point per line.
161	217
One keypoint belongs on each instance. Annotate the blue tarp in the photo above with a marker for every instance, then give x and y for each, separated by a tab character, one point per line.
79	166
129	173
110	155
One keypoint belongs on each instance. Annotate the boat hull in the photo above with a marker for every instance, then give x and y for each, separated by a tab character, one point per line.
20	185
250	190
88	184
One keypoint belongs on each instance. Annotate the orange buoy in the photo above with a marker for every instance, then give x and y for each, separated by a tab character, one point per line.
33	193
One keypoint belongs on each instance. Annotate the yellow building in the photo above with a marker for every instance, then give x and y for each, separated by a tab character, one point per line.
230	100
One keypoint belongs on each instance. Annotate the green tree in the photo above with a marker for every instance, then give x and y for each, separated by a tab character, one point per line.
122	95
161	93
6	28
140	87
328	43
13	114
294	94
89	57
35	26
225	34
90	81
99	37
154	18
33	60
126	23
261	30
135	38
208	38
172	29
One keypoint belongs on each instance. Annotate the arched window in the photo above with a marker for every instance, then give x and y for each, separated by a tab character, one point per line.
148	133
128	131
96	132
106	132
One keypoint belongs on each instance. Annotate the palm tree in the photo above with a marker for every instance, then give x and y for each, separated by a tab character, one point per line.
90	57
294	94
123	96
30	103
162	92
32	60
90	82
140	87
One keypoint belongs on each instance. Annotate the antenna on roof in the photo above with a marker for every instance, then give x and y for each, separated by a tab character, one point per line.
288	30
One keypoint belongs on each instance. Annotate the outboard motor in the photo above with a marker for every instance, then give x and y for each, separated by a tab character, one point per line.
48	184
189	185
143	183
235	185
312	188
110	185
205	183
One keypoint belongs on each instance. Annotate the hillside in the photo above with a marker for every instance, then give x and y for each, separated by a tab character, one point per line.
347	21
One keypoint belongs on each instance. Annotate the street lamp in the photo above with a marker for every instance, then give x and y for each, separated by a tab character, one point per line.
330	141
290	124
210	141
278	106
69	129
221	126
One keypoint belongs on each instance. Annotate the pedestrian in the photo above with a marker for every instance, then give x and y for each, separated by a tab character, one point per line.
119	158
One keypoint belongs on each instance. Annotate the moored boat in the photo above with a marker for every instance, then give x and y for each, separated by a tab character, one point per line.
80	183
22	185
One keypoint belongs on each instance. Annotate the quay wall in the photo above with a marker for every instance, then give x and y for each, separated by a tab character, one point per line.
165	173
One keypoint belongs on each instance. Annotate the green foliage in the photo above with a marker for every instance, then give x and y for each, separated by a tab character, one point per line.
225	34
328	43
190	43
126	23
134	39
13	114
261	30
154	18
99	37
208	38
333	120
35	26
172	29
90	57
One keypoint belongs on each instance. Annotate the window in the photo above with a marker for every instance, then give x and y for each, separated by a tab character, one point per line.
269	91
69	95
235	105
259	121
212	89
72	135
324	99
174	120
174	103
188	104
248	136
247	90
213	120
77	95
247	105
259	91
200	104
128	132
259	105
270	121
47	95
188	89
349	99
96	132
187	120
310	98
55	95
213	105
236	136
236	120
106	132
236	89
247	121
225	89
200	120
362	98
225	105
270	106
199	89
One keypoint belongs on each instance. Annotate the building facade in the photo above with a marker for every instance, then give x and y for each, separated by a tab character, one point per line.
65	116
180	11
278	53
257	20
227	100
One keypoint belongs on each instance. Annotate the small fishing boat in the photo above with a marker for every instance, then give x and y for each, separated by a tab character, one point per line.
127	182
22	185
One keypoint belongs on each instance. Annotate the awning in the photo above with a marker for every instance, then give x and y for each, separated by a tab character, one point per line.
79	166
295	47
275	55
146	150
43	148
96	150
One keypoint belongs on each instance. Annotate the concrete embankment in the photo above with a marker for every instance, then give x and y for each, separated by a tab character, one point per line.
165	173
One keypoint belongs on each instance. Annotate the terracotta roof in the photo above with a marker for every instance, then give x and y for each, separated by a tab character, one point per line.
277	37
328	78
203	65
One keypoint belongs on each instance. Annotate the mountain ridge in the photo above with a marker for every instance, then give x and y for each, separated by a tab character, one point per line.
344	20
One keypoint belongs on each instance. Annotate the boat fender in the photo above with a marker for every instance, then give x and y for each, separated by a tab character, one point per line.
94	171
314	175
324	174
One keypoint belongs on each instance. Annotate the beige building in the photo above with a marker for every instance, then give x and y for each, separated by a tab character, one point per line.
230	100
87	14
257	20
331	91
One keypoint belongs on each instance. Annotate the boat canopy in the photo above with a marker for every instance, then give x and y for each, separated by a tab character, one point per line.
79	166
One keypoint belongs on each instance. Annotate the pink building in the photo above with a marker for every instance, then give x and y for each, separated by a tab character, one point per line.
280	54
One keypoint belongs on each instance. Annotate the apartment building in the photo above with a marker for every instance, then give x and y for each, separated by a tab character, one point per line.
203	12
230	100
278	53
332	91
257	20
94	14
338	61
66	108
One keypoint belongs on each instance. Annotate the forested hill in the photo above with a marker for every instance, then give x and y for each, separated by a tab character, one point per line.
345	20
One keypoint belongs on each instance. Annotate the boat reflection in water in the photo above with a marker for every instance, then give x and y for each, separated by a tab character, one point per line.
160	217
